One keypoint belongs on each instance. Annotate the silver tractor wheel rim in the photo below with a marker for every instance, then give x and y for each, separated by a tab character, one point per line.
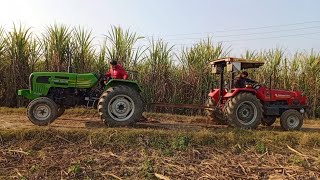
121	107
247	112
292	121
42	112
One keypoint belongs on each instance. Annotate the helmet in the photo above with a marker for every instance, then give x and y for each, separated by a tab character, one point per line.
113	62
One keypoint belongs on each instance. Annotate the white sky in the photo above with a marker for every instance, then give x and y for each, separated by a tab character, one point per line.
180	22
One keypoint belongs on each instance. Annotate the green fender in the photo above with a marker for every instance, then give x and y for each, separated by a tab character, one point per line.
29	94
116	82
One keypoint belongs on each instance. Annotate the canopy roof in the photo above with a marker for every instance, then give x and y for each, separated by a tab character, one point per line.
245	63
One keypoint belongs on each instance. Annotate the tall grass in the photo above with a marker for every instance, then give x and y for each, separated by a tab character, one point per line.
310	72
83	51
165	75
17	61
101	65
195	70
57	48
3	64
121	46
157	72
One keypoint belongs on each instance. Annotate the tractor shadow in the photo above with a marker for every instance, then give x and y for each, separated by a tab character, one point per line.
185	126
95	125
155	125
308	129
151	124
278	128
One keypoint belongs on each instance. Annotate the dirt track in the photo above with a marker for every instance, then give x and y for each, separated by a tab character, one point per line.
21	121
144	152
91	121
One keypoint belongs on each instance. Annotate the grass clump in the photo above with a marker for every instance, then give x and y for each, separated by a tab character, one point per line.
181	142
173	140
147	153
261	147
74	169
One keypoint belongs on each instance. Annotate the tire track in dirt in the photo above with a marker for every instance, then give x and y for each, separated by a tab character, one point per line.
17	121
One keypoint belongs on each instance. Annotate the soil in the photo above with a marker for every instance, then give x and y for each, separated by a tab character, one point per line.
90	120
80	146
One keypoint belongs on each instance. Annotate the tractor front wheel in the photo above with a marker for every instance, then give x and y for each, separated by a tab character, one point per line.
244	111
291	120
120	106
42	111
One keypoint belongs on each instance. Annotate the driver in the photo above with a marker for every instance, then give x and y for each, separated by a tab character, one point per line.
116	71
240	82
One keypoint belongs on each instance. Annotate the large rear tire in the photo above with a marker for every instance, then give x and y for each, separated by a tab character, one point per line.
42	111
243	111
214	115
120	106
291	120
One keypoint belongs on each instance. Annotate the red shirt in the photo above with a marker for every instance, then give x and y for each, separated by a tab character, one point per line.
117	72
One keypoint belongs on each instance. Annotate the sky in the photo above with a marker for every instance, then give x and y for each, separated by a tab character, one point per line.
293	25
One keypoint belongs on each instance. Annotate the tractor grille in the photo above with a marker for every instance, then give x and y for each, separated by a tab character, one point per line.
39	88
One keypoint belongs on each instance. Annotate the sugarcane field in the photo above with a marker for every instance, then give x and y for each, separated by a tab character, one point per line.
155	90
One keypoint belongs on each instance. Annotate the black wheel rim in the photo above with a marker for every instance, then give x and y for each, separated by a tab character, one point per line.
293	121
246	112
42	112
121	107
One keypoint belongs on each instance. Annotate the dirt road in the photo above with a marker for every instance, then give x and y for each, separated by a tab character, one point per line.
202	150
163	121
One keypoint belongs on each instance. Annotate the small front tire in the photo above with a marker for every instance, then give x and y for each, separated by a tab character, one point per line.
42	111
291	120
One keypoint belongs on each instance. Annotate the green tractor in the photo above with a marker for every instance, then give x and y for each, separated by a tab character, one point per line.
118	101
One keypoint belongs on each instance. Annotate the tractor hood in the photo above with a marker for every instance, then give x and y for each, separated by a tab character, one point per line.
63	79
293	97
41	82
286	94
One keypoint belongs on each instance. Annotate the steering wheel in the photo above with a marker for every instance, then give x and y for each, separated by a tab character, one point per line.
256	85
102	79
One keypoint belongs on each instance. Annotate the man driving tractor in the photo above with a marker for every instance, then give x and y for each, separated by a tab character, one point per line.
240	82
116	71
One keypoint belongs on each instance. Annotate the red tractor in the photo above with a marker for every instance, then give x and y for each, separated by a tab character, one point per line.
255	104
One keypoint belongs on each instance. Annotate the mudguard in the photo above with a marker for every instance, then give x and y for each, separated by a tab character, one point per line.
117	82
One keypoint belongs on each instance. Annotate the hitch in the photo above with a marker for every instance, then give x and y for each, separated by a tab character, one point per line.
187	106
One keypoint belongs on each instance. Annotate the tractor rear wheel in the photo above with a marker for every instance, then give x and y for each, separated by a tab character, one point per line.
244	111
214	115
291	120
268	120
42	111
120	106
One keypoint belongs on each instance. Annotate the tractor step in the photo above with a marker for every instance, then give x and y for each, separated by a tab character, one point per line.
91	102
